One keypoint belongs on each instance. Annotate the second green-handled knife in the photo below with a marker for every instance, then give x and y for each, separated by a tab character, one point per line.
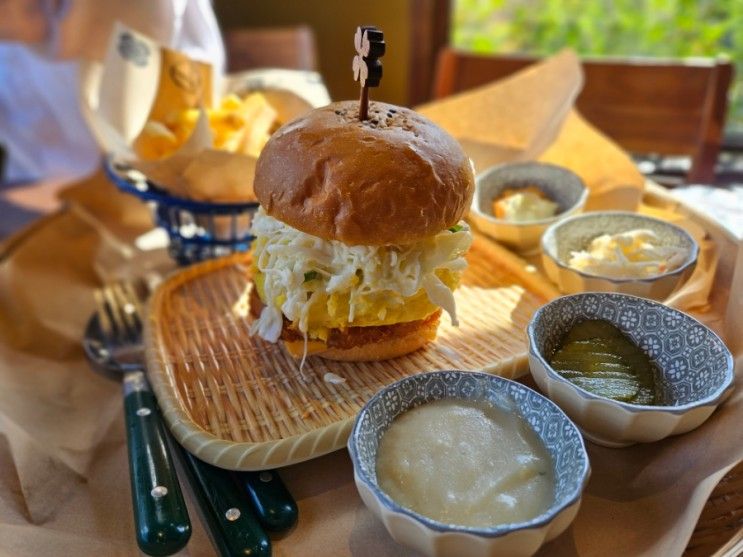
233	527
272	502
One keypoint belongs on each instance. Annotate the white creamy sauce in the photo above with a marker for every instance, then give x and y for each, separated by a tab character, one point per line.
527	206
633	254
465	463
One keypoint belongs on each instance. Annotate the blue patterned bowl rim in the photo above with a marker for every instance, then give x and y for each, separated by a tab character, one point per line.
710	400
565	174
691	259
492	532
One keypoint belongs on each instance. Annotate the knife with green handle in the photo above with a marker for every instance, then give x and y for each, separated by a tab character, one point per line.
273	504
160	514
232	524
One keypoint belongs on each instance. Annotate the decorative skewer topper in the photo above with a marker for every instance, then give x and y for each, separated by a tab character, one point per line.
367	68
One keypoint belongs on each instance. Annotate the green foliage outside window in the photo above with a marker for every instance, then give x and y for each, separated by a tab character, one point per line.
658	28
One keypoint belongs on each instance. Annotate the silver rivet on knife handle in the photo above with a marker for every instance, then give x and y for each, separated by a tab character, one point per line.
159	491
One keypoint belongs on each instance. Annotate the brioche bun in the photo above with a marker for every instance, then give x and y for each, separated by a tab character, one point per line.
391	180
358	344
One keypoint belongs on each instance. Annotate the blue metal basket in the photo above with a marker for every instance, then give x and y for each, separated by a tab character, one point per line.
197	230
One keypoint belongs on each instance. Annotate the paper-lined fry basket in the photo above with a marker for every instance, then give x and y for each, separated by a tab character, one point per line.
186	140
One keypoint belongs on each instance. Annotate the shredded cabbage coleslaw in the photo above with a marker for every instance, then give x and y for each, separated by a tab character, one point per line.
367	284
633	254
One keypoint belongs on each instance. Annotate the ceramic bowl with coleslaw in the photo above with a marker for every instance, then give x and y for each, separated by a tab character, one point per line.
615	251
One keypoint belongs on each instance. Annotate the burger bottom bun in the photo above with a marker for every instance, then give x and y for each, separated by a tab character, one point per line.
358	344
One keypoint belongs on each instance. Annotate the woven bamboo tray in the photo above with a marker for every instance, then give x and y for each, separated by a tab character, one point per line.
241	403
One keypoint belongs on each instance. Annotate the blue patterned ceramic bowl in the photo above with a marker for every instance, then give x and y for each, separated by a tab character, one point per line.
561	437
560	184
575	233
696	368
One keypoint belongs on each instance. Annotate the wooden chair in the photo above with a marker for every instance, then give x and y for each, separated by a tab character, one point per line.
271	47
666	107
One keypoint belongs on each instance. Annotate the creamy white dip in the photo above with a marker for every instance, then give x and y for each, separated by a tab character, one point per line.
465	463
525	206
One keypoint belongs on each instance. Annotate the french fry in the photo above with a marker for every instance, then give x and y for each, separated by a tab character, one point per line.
238	126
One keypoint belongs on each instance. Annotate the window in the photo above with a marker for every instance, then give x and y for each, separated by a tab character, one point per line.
659	28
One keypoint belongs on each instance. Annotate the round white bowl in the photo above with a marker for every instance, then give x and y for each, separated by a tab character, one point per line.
696	368
575	233
560	184
562	439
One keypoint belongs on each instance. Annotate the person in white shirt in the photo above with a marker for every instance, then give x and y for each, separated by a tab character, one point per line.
42	45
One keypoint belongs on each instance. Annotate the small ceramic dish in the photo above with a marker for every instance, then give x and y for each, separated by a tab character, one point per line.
559	184
695	367
576	233
560	436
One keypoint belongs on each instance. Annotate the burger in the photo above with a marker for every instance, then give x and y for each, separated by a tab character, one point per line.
359	242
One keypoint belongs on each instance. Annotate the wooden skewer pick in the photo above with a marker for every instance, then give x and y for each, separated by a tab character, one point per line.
367	68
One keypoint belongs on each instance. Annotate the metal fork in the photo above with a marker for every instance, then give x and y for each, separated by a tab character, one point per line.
114	342
231	520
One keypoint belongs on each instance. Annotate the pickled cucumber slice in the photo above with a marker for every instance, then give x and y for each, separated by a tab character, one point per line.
596	353
623	390
588	345
571	373
591	356
589	367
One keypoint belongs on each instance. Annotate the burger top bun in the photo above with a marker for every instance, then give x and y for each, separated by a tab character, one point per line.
393	179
